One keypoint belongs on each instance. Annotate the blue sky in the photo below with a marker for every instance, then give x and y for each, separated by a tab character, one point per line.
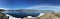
14	4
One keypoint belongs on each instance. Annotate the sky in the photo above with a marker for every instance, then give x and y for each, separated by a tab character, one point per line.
30	4
19	4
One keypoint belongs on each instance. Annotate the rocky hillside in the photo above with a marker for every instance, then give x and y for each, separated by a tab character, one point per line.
50	16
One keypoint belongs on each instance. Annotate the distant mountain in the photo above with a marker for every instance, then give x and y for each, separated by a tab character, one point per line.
35	11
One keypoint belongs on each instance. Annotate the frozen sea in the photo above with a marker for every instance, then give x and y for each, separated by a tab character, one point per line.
19	15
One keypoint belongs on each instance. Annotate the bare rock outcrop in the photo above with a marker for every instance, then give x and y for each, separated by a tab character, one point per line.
50	16
3	16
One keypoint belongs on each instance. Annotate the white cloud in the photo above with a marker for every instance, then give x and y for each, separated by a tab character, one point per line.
44	7
41	7
4	8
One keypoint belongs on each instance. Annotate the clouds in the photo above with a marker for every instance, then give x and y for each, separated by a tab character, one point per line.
44	8
4	8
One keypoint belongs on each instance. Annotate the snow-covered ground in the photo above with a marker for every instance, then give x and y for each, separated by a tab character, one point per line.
41	14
